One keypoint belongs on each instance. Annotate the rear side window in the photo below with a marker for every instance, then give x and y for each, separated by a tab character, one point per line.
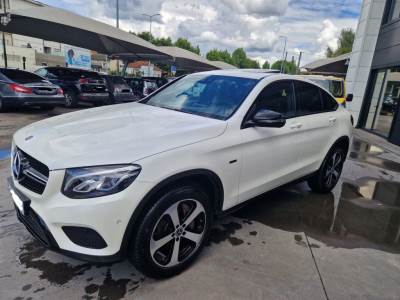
21	76
308	98
278	97
329	103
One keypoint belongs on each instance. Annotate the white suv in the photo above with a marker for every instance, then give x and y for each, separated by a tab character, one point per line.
146	179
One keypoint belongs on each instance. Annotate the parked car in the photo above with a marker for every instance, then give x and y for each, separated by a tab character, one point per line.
19	88
119	90
78	85
146	179
141	86
160	81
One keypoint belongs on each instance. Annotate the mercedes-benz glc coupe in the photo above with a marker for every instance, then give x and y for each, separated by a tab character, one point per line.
146	180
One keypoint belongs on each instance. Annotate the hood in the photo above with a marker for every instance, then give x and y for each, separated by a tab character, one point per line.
113	134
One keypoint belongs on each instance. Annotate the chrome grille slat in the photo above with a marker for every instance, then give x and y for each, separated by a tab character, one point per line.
34	174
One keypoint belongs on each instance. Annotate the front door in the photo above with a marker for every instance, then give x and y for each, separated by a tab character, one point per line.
269	154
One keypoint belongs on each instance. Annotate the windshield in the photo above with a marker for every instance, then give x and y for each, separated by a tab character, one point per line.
213	96
21	76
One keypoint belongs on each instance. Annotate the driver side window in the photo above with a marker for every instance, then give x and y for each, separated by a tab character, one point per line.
278	97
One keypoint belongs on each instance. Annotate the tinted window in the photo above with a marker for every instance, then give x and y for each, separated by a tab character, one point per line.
214	96
21	76
328	102
277	97
308	98
41	72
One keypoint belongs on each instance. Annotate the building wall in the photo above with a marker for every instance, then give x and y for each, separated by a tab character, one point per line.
363	52
387	51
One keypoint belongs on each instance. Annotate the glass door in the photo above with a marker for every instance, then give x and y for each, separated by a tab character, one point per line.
384	101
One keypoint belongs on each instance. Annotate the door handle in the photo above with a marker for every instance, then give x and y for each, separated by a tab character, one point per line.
332	119
296	126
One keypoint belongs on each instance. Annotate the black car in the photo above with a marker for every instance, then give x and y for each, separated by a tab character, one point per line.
142	86
119	90
20	88
78	85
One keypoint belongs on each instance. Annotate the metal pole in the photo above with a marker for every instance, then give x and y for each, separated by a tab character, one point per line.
4	39
117	13
283	53
298	62
150	19
117	27
284	62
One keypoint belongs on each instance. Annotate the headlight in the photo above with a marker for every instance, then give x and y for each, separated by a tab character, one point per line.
99	181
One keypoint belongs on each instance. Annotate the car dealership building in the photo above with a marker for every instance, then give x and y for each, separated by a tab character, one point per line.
373	75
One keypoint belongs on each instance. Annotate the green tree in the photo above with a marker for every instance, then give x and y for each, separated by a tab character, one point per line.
266	65
240	60
219	55
185	44
145	35
163	41
345	43
289	67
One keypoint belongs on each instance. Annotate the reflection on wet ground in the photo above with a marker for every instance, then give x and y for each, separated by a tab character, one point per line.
372	155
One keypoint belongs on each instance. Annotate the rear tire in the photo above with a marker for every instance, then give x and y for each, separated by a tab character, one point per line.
329	173
71	100
172	232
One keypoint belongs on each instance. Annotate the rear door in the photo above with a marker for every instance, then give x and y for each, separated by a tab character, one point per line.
315	122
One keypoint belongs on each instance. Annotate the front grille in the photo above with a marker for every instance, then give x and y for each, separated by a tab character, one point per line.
29	174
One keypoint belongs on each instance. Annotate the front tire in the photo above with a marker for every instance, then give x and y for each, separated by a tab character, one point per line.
172	232
329	173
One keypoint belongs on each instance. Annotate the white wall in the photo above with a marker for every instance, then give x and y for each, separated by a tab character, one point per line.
363	51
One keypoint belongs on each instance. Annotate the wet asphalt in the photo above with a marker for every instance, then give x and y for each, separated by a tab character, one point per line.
287	244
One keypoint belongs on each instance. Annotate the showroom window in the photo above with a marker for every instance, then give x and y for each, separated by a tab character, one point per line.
384	101
393	11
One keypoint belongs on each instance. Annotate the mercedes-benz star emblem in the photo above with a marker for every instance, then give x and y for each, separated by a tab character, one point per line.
17	165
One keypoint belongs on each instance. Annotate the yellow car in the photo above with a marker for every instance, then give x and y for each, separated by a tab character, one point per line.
335	85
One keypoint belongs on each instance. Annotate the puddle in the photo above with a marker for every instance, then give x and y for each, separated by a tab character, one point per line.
59	273
365	215
5	154
369	154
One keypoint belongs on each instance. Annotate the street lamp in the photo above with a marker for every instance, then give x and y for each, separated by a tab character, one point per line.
150	19
5	18
283	53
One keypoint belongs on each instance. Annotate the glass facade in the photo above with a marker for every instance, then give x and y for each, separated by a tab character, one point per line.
384	101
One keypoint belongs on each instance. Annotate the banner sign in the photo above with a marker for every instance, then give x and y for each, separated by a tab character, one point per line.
77	57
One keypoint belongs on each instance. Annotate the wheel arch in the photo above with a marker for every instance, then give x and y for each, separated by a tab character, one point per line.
205	178
343	141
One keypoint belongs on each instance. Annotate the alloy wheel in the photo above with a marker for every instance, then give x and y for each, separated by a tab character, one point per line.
68	100
178	233
333	169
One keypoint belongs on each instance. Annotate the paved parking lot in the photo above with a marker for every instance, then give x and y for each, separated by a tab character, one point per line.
288	244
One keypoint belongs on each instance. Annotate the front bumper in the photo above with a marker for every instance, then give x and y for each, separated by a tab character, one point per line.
33	101
47	215
93	97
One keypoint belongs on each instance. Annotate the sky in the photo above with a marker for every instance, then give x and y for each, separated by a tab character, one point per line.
258	26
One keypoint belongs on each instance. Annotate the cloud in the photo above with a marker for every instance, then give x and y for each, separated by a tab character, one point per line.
256	25
328	35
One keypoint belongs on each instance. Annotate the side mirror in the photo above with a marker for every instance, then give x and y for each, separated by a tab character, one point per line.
349	98
266	118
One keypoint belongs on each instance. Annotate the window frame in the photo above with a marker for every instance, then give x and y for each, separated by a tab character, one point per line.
292	103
